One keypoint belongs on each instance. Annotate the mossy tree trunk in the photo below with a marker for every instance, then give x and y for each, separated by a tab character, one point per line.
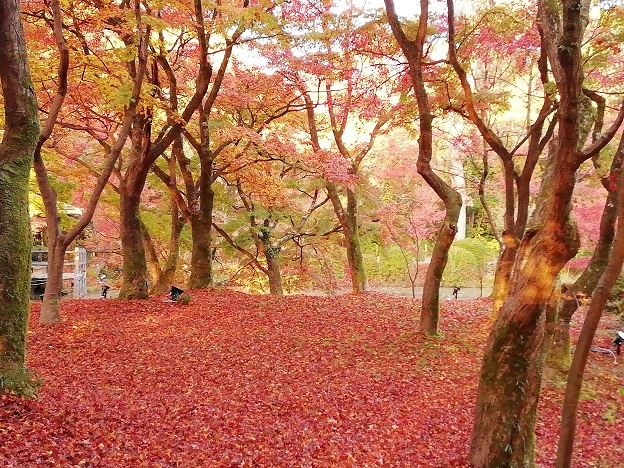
559	354
509	385
274	272
201	218
21	132
350	230
347	215
135	275
504	430
590	325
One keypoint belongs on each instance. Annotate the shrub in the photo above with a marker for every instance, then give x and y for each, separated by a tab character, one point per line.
468	263
184	298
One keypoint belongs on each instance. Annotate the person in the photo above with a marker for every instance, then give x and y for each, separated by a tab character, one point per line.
455	291
105	287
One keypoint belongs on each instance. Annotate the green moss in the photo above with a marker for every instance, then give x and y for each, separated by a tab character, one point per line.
18	380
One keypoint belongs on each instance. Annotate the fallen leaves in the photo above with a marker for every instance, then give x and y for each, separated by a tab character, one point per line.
239	380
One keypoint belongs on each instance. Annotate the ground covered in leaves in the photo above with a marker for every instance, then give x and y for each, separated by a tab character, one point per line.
239	380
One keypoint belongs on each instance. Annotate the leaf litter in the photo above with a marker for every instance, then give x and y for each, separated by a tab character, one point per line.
300	381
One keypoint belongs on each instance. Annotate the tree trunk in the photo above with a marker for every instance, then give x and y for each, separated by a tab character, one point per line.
201	256
51	306
201	231
354	247
502	276
21	132
135	276
509	386
151	255
350	230
559	354
56	242
598	301
167	275
430	312
273	271
414	53
504	429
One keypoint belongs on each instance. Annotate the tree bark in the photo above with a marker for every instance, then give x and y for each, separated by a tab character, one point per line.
510	381
502	276
350	230
135	278
414	53
559	354
21	132
271	254
201	229
509	386
598	301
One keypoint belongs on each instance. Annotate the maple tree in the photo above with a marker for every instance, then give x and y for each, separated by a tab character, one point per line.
517	182
19	139
410	211
145	152
600	295
415	54
351	99
58	241
504	430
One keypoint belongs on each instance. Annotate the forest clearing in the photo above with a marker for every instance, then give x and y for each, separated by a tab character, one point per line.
238	380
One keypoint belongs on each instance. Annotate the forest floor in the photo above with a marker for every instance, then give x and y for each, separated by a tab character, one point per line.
238	380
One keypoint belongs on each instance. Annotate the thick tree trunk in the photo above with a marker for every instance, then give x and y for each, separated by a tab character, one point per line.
273	271
21	132
504	429
598	301
509	386
201	231
135	276
502	276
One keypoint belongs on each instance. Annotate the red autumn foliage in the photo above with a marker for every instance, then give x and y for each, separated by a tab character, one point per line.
239	380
